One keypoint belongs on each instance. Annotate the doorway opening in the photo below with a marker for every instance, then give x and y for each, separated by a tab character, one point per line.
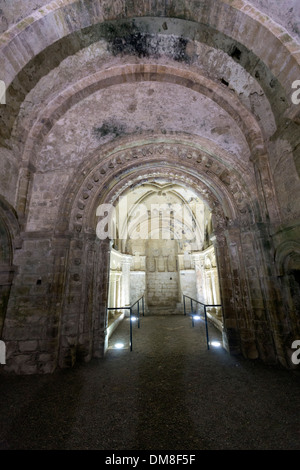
161	248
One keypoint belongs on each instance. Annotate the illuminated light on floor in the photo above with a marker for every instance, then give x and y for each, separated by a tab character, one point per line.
133	318
119	345
216	344
197	317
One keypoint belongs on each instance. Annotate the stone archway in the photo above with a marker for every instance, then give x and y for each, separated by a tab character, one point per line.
160	225
221	106
247	322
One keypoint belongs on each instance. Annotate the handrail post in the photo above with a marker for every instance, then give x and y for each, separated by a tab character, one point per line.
138	314
130	318
197	310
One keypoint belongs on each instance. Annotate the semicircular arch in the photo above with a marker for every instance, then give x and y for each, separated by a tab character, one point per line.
103	180
133	73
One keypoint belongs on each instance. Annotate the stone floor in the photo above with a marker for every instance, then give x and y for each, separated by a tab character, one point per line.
169	393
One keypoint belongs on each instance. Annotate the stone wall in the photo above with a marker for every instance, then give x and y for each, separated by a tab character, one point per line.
188	283
162	291
31	329
102	97
9	175
137	285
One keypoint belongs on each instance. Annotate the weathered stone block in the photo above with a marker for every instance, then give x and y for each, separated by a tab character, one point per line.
28	346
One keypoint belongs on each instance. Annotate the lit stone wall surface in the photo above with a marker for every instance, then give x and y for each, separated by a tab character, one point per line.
177	102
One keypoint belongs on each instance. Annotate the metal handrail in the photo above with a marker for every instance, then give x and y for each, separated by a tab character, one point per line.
130	308
205	313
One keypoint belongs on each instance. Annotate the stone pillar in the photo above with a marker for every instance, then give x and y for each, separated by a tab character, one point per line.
100	340
89	307
209	291
118	284
6	279
250	293
126	263
111	296
200	277
113	289
69	280
25	181
241	294
265	295
265	186
215	286
231	340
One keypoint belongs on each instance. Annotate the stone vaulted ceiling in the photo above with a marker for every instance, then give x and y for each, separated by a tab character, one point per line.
84	77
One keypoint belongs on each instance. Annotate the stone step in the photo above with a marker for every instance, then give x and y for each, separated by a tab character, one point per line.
164	310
